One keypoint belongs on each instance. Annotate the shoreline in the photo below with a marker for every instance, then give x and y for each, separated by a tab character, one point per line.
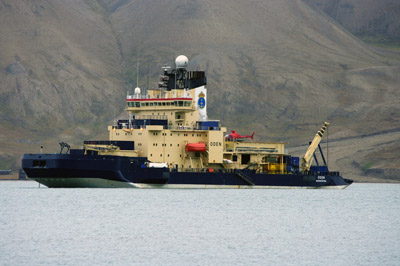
355	181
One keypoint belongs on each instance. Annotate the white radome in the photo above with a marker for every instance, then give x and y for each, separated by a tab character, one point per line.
181	61
137	90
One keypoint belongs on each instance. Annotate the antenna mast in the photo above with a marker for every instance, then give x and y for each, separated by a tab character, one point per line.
148	73
137	73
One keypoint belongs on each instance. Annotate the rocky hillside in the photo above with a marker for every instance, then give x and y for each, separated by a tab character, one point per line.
60	74
280	68
364	17
60	64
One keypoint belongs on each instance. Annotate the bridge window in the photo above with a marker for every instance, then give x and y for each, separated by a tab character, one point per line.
180	103
137	104
143	104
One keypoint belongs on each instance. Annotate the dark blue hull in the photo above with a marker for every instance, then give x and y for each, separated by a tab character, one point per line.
65	170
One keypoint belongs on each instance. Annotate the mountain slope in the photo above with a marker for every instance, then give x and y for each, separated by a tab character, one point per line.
369	17
59	60
60	74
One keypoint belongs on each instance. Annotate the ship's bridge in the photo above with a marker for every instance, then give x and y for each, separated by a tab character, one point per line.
153	100
178	105
153	104
181	96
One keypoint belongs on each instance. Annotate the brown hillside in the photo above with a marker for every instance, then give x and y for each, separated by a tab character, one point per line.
60	63
60	74
370	17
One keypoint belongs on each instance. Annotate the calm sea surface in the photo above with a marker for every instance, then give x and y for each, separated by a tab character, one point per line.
356	226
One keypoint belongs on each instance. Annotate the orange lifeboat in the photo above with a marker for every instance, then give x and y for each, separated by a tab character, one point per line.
196	147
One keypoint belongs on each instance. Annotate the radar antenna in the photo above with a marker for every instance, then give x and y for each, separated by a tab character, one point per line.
180	72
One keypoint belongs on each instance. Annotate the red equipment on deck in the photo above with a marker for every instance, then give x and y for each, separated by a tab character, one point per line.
196	147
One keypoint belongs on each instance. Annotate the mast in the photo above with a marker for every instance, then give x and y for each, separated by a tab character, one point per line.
137	74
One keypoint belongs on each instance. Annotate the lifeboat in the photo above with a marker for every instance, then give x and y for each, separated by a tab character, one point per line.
196	147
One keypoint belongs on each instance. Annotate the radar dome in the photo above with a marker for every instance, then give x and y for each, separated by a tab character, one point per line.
137	90
181	61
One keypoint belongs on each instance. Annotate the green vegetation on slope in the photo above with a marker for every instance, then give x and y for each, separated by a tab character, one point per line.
381	41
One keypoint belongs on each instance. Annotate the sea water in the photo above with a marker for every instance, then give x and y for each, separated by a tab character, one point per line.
356	226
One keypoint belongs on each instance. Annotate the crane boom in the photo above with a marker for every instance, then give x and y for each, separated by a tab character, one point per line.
308	156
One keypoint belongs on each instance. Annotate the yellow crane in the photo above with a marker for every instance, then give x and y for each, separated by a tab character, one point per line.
307	159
